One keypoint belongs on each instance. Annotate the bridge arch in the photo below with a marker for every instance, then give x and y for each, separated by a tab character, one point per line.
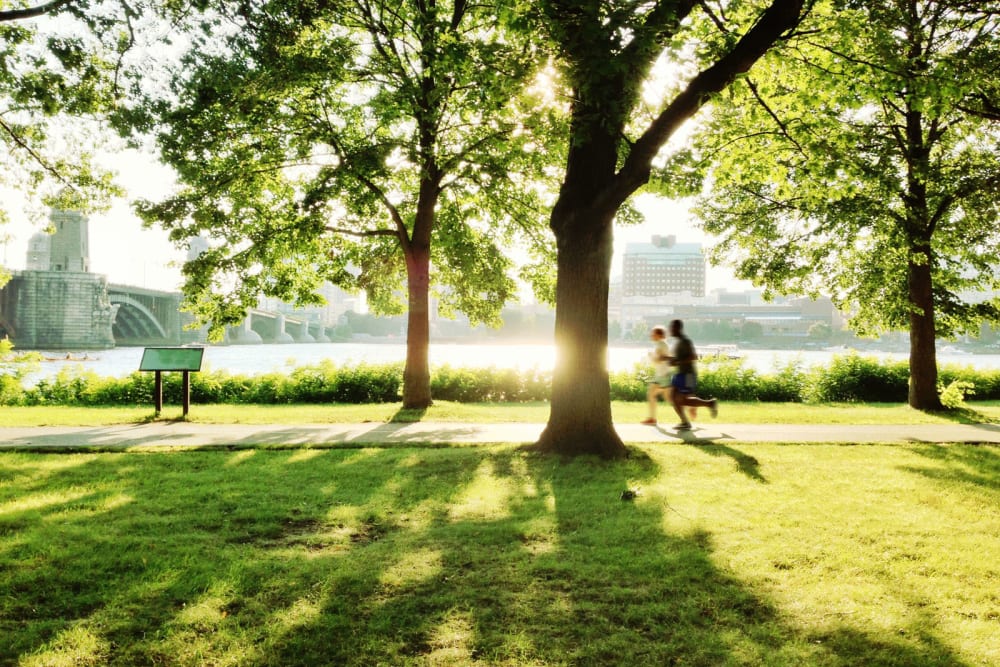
134	321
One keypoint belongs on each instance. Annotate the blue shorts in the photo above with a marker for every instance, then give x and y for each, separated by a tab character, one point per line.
684	383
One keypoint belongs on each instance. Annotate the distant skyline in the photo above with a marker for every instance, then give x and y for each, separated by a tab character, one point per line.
127	253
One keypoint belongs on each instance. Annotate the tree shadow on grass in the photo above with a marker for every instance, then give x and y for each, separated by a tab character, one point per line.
976	465
378	556
408	415
102	549
963	415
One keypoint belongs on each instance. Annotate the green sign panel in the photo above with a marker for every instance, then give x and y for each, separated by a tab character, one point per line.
171	359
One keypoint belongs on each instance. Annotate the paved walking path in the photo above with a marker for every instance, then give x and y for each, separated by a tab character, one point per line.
186	434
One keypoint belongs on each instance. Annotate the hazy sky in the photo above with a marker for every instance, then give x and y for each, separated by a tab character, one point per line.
120	247
126	253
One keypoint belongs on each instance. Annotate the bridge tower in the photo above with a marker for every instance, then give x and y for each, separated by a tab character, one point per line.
69	247
56	303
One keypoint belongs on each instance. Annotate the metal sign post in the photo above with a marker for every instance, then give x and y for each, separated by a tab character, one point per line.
166	359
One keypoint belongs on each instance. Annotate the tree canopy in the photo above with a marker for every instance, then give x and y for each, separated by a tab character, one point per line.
58	77
860	160
373	145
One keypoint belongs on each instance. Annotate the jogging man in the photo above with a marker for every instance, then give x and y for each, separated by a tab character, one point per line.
685	379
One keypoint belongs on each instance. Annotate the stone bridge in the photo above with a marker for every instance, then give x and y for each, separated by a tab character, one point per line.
262	326
148	317
61	310
66	310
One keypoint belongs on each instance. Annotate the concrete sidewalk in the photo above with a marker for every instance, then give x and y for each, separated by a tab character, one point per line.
186	434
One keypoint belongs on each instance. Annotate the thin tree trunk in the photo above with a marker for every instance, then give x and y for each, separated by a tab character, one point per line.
417	374
580	417
417	250
923	393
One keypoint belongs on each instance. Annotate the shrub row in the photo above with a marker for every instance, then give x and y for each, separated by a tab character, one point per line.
849	378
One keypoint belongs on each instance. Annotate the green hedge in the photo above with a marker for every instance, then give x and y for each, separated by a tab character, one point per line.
847	378
480	385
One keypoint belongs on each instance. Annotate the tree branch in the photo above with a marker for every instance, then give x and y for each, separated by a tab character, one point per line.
458	13
450	164
778	18
988	110
770	112
130	42
894	128
32	12
17	139
719	22
362	233
779	204
397	219
944	205
873	65
663	19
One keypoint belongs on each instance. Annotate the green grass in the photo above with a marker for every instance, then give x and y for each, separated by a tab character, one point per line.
757	555
446	411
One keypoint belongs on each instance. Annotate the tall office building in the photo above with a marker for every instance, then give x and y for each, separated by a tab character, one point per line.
663	267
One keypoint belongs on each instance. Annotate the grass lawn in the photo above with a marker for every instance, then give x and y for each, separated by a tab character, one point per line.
758	554
446	411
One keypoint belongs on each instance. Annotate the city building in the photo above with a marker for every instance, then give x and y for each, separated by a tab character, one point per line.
56	303
663	267
656	277
39	256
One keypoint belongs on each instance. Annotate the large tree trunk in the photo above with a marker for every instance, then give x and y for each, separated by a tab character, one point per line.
580	416
417	373
923	353
604	96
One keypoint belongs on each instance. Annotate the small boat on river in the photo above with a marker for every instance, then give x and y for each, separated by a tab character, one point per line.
709	352
72	357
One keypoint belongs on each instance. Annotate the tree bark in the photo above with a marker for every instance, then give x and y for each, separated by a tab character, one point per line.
923	393
417	249
417	373
580	415
32	12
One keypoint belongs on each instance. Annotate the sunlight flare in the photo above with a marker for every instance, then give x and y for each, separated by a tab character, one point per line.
305	455
452	640
43	501
413	568
76	646
240	457
487	495
299	614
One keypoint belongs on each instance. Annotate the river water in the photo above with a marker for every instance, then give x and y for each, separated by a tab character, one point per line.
258	359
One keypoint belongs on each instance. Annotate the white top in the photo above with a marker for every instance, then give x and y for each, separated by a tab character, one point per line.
662	349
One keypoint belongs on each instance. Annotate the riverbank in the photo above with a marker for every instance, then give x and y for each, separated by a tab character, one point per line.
261	359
